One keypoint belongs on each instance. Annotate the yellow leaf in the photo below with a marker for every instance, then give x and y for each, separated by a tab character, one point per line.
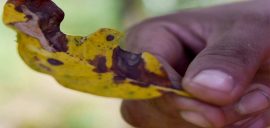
10	15
94	64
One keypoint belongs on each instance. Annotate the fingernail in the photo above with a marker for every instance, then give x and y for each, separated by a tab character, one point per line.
213	79
253	102
195	118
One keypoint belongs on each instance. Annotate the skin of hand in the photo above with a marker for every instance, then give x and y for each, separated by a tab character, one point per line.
223	54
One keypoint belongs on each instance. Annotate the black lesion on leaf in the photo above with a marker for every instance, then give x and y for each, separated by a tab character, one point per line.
49	18
142	84
36	58
78	42
110	37
44	67
99	62
127	65
118	79
54	62
29	17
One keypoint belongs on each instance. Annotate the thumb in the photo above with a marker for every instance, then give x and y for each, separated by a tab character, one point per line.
225	68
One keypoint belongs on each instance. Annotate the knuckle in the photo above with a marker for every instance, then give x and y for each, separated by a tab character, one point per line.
147	34
235	54
150	25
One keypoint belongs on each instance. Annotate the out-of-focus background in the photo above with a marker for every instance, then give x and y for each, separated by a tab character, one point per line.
32	100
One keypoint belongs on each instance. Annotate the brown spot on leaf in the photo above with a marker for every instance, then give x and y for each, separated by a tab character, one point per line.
132	66
110	37
36	58
54	62
118	79
142	84
131	93
44	67
99	62
78	42
49	18
29	17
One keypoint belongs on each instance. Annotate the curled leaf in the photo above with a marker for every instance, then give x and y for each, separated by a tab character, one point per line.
94	64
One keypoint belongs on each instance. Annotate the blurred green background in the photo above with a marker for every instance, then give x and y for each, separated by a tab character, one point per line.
32	100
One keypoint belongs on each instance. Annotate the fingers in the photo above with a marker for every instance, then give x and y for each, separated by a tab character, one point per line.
255	101
161	37
221	72
156	113
260	121
143	114
170	109
242	113
219	75
257	98
158	38
129	113
154	37
199	113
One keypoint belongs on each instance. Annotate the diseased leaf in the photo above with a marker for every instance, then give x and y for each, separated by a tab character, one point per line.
94	64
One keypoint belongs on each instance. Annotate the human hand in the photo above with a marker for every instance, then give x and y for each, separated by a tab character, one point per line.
223	54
